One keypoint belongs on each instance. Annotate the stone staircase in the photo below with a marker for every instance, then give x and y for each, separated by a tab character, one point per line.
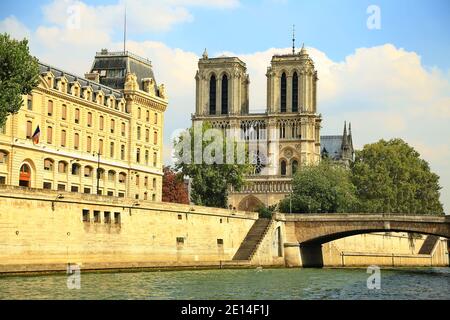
252	240
429	244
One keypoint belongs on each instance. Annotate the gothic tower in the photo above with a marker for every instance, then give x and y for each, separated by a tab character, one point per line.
221	86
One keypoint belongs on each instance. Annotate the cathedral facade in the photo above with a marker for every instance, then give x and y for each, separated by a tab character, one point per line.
287	133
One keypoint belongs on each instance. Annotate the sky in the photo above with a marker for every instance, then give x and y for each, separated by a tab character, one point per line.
383	65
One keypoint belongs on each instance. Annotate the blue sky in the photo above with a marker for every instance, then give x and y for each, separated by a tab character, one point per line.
335	27
391	82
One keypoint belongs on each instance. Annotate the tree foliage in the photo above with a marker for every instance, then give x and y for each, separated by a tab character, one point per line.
390	177
174	190
19	73
321	188
210	182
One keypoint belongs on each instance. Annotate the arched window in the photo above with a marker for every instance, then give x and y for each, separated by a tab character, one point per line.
63	112
25	176
147	157
122	152
3	156
295	92
283	92
100	146
88	144
294	167
283	167
77	115
101	173
122	177
101	122
111	150
212	95
88	171
76	169
224	94
63	138
50	108
49	135
62	167
111	175
138	155
76	141
89	119
123	129
48	164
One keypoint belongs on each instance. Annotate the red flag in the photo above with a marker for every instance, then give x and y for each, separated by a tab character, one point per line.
36	135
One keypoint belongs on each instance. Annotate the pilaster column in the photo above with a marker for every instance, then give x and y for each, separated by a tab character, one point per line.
219	96
288	93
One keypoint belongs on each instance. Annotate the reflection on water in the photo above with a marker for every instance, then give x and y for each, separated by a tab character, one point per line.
278	284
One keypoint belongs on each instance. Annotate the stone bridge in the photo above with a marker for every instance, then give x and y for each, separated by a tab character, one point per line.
308	232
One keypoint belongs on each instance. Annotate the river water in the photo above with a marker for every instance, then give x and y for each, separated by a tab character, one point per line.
248	284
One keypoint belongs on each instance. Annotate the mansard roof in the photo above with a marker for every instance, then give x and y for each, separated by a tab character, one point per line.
71	78
114	66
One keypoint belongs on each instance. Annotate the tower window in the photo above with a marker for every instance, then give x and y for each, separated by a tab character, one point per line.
283	168
224	94
283	92
212	95
294	167
295	92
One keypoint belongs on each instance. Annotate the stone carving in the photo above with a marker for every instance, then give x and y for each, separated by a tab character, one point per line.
131	82
162	92
288	153
149	85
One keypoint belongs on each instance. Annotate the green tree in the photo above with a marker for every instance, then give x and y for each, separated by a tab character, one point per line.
326	187
210	181
19	74
390	177
267	212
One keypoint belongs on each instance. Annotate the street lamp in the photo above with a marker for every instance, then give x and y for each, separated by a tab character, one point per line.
98	154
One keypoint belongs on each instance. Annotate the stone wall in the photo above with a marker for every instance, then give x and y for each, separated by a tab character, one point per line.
45	231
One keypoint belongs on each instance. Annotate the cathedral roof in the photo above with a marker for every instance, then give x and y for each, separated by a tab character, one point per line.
331	145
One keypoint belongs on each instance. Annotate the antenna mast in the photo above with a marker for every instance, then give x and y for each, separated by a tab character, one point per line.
125	32
293	39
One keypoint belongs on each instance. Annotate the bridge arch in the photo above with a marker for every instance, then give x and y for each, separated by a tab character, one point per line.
310	231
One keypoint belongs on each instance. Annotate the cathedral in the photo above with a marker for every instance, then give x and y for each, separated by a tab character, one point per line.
287	133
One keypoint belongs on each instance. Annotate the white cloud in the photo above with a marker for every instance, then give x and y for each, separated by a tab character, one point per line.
14	27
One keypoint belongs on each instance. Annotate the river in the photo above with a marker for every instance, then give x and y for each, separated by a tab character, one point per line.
246	284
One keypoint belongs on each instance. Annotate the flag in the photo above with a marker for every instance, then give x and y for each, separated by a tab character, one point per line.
36	135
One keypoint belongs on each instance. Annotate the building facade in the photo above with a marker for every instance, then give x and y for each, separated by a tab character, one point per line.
287	134
101	134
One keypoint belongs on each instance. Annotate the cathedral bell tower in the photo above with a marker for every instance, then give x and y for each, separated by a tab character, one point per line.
221	86
292	84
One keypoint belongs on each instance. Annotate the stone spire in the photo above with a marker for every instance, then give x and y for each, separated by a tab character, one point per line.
350	140
205	54
344	145
303	50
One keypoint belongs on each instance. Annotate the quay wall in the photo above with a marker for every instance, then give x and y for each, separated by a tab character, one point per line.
45	231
